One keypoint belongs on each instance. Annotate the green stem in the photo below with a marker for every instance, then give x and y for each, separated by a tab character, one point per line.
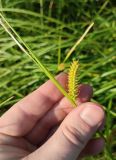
25	48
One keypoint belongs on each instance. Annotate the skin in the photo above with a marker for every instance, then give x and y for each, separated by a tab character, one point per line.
44	125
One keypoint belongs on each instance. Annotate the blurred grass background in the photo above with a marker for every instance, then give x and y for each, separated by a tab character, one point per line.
51	28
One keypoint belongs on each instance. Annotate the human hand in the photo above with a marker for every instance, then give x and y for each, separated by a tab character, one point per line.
44	126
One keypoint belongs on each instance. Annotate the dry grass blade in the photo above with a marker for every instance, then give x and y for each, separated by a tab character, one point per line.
78	42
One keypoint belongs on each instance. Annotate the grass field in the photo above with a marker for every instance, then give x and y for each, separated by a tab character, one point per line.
51	28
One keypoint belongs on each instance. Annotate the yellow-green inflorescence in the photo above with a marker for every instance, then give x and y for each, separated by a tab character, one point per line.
73	80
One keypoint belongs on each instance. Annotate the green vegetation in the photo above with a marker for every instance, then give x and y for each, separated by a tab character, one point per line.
51	28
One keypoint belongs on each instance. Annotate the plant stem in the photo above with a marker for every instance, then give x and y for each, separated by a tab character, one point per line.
25	48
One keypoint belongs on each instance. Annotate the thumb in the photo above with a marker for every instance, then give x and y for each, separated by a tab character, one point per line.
73	134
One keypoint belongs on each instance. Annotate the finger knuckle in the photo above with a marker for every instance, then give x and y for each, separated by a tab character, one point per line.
73	135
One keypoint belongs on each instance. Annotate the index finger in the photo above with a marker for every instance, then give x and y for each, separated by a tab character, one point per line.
22	117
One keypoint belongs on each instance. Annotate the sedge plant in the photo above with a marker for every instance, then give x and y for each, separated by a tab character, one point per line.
73	71
54	33
73	80
26	49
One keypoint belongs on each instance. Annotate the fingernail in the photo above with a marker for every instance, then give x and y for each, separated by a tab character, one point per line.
92	115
